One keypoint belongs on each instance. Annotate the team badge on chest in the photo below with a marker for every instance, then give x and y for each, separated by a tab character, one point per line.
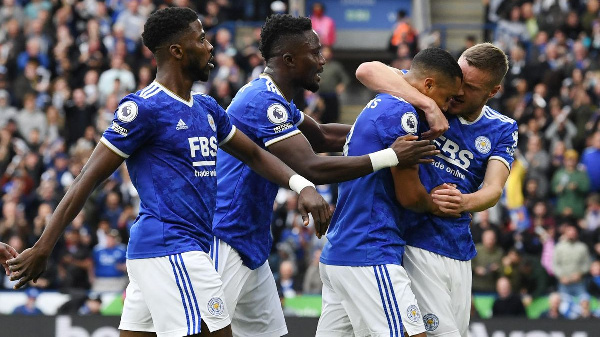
211	122
483	144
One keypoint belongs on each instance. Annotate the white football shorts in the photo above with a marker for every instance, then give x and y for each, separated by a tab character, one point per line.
250	295
170	295
368	301
443	288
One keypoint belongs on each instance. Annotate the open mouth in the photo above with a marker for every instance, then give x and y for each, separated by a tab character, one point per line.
211	63
318	75
457	100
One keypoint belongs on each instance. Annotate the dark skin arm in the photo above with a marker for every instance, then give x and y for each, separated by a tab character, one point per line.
296	152
6	253
30	264
329	137
271	168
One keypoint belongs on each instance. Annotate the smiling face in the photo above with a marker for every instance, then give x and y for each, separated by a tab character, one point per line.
197	53
477	88
309	62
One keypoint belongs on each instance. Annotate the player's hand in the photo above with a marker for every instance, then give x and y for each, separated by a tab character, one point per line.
411	151
310	201
449	199
438	123
6	252
28	266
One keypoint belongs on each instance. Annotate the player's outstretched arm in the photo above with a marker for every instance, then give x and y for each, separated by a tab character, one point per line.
329	137
31	263
384	79
273	169
452	200
296	152
6	253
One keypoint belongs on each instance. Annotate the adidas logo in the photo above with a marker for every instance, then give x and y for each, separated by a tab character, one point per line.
181	125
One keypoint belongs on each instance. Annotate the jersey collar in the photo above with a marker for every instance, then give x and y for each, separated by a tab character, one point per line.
173	95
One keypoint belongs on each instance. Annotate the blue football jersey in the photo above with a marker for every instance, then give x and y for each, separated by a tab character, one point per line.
466	148
244	198
170	146
368	223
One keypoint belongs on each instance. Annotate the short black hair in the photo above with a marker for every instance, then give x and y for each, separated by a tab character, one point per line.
438	60
278	29
166	24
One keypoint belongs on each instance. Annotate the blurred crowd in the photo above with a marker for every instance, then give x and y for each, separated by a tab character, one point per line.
65	65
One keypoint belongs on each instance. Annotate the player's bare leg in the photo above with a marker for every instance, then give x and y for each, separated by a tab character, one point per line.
225	332
422	334
126	333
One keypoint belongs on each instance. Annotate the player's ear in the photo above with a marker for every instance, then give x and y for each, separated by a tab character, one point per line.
494	91
176	50
429	83
288	59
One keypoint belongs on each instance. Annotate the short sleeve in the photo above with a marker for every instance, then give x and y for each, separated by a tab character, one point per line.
398	118
297	115
132	125
507	144
225	129
275	120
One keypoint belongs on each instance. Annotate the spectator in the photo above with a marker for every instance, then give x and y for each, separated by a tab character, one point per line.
118	79
6	110
30	117
132	21
508	303
334	81
538	163
79	115
487	263
109	265
403	33
29	308
511	31
594	281
592	214
76	266
561	129
571	262
570	186
591	160
91	306
554	303
323	24
511	269
481	222
286	279
312	284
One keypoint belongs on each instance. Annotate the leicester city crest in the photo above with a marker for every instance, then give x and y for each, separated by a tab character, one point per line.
277	113
483	144
216	306
211	122
413	314
431	322
409	123
127	111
